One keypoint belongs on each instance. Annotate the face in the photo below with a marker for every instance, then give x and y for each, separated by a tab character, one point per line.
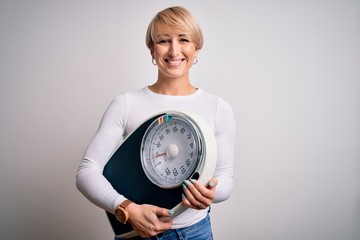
174	52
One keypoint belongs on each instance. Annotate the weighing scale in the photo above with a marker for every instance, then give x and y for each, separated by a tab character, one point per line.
151	164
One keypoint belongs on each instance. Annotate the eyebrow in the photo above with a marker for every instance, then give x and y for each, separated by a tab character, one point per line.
168	35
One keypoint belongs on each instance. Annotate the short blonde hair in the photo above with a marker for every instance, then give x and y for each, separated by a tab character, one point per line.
177	17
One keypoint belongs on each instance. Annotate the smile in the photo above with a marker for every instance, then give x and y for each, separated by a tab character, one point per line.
174	62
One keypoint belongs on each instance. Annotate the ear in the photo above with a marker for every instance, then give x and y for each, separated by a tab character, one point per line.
152	53
197	52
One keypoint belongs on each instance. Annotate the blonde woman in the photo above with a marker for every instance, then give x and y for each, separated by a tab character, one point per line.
174	39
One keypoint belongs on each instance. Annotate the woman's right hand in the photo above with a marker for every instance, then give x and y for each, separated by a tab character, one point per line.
149	220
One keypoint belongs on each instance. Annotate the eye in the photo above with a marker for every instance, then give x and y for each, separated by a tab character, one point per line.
184	40
162	41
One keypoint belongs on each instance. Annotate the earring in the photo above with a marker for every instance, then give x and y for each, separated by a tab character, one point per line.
153	62
196	61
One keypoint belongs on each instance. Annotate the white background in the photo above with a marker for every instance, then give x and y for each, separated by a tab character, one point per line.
290	69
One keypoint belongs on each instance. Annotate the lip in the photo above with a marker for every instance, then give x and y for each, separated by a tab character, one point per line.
174	62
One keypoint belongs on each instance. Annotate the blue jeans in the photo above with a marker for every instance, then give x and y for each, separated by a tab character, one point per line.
198	231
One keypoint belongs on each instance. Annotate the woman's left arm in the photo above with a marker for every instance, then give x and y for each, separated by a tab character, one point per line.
220	186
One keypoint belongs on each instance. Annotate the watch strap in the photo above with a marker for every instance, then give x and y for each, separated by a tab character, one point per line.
125	203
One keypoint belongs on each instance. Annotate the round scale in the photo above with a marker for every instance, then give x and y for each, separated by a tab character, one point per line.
151	164
171	150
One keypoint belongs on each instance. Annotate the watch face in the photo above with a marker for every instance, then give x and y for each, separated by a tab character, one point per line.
120	215
171	150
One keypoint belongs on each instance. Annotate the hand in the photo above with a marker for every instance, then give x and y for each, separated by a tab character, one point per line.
149	220
198	196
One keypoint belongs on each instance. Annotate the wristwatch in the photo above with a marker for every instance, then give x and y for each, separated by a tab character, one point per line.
121	214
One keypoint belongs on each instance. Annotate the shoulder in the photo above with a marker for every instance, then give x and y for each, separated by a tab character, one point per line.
225	106
128	95
221	103
120	104
223	112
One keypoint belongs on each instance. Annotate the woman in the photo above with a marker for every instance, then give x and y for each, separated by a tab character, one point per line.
174	39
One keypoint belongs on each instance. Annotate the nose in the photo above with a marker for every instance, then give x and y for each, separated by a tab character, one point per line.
174	49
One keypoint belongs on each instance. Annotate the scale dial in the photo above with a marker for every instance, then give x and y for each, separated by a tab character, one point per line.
171	150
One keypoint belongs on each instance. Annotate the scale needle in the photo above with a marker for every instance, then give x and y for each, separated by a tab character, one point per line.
160	154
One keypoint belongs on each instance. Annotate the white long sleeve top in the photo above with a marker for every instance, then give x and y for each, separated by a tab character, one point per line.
125	113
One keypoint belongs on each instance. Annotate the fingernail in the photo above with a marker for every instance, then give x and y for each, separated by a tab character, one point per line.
211	184
183	196
170	212
187	183
193	181
184	186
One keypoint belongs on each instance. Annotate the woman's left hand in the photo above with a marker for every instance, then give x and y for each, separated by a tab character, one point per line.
198	196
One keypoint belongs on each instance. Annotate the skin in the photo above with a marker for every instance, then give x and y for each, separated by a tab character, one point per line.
174	53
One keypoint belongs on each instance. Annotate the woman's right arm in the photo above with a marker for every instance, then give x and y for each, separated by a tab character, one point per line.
147	220
89	179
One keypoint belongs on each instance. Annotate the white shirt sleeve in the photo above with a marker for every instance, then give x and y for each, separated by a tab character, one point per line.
89	179
225	140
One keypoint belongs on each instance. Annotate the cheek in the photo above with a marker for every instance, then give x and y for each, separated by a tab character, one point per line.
190	49
160	53
190	53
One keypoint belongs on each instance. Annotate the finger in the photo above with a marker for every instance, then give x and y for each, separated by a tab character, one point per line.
197	200
193	204
164	216
186	202
212	183
186	196
162	224
207	189
163	212
153	228
151	221
202	194
165	219
195	197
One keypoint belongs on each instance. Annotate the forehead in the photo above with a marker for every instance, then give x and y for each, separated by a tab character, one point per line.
166	30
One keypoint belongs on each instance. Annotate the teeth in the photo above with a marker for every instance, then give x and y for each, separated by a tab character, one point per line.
175	62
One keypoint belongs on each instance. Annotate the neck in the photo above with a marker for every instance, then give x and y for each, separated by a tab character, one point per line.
174	88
